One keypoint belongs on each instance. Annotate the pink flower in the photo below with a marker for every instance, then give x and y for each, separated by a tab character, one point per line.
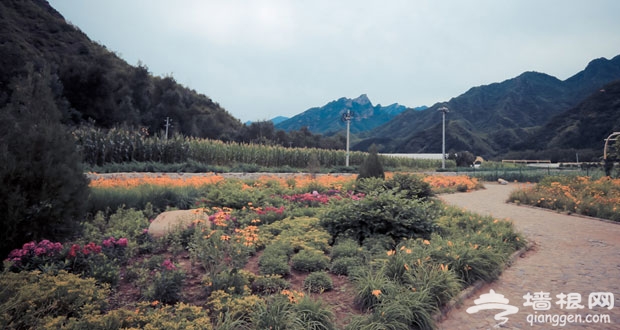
17	254
167	264
108	242
121	242
29	246
57	247
39	251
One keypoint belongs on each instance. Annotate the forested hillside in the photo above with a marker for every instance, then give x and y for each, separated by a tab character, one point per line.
92	84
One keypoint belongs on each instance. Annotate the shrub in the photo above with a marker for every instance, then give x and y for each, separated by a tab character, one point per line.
309	261
344	265
230	281
413	186
269	284
274	264
371	167
30	300
382	214
147	315
232	306
165	284
295	234
318	282
345	248
126	223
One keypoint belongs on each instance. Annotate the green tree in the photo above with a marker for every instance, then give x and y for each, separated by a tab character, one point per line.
371	167
43	190
463	158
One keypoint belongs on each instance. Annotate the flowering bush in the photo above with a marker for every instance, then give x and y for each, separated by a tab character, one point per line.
165	284
32	255
597	198
270	214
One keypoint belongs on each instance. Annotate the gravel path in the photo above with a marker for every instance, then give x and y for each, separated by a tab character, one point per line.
571	254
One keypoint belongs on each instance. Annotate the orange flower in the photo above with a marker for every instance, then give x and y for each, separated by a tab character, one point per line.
376	293
391	253
426	242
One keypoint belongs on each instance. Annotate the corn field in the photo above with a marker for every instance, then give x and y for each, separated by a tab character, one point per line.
118	145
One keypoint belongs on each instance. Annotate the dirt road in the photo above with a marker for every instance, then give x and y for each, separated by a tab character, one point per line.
575	256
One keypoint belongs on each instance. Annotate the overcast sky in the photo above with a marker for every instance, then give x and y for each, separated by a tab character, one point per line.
261	59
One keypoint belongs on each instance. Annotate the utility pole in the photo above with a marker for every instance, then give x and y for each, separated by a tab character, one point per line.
347	117
168	120
443	137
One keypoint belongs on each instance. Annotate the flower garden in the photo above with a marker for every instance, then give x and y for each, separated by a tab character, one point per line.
581	195
279	252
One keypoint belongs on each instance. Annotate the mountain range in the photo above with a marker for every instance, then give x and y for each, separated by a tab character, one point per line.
328	119
519	114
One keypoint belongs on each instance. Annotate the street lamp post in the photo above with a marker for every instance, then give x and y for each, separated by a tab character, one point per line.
443	137
347	117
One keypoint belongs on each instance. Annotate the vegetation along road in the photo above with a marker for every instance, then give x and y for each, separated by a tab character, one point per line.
575	256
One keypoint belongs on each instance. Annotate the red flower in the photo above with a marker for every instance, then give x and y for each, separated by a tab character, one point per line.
73	251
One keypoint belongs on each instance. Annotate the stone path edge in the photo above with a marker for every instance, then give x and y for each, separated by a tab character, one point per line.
577	215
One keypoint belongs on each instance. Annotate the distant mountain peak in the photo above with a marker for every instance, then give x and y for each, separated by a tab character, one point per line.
362	100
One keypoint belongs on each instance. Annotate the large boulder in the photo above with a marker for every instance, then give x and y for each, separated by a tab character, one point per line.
170	220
